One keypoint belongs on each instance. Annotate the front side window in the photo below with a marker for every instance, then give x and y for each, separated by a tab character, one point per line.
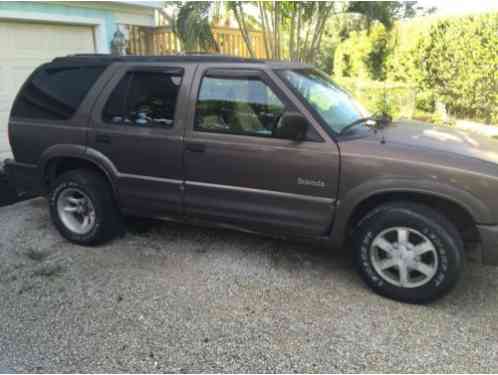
245	106
336	107
55	93
144	98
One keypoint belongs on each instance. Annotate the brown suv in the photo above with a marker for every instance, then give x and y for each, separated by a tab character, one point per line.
270	147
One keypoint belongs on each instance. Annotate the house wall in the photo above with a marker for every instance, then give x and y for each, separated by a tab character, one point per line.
32	33
105	16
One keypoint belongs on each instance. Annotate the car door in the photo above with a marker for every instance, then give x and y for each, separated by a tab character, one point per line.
239	173
137	126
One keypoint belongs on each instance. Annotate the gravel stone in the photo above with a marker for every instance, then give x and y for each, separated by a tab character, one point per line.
177	298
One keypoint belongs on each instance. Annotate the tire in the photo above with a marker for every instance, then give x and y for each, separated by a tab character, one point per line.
105	222
440	254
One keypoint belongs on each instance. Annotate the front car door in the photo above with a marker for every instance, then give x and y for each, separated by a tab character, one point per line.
138	128
238	171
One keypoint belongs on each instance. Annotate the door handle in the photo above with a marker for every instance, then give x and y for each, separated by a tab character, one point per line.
196	147
103	138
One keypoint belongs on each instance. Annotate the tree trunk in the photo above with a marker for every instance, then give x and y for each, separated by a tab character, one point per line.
298	34
276	29
324	27
270	30
239	16
304	49
322	16
292	32
264	25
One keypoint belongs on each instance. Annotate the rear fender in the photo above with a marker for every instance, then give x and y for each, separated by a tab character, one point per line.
78	152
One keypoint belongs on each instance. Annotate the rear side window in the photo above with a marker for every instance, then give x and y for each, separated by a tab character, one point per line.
144	98
55	93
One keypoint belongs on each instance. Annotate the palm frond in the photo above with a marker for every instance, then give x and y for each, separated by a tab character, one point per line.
193	27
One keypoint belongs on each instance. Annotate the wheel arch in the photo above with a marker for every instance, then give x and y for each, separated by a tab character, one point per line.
58	160
465	216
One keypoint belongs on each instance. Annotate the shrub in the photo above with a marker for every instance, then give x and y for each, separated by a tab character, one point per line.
451	60
363	54
459	62
395	99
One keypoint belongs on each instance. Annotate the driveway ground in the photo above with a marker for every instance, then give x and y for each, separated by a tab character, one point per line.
169	297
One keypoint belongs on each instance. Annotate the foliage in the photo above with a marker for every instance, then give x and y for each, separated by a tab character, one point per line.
395	99
292	30
452	61
193	27
459	62
403	64
386	12
363	54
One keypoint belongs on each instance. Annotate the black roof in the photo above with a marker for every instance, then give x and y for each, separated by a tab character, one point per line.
195	58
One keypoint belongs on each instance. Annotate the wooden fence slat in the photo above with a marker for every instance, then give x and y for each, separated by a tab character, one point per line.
162	40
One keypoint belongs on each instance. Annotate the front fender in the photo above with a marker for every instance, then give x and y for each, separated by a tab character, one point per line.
354	197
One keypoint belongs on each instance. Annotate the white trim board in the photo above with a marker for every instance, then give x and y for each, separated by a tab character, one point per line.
100	33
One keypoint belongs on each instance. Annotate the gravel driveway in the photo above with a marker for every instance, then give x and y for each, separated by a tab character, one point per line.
169	297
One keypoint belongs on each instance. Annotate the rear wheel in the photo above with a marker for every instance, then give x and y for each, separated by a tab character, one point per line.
408	252
83	209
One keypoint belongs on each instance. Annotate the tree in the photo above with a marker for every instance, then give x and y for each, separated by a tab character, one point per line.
459	63
193	26
386	12
292	30
364	54
307	26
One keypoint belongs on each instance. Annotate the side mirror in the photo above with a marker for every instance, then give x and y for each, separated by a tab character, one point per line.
293	125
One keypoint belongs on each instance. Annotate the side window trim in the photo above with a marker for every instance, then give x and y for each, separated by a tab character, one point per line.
131	71
158	69
127	91
236	74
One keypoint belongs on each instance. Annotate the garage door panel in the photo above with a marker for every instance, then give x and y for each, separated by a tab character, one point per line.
3	80
25	46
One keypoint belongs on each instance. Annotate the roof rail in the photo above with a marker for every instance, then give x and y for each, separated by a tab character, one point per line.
90	55
180	57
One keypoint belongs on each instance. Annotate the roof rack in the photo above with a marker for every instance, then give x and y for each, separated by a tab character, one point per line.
183	57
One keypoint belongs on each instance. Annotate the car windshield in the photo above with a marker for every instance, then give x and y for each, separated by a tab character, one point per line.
336	107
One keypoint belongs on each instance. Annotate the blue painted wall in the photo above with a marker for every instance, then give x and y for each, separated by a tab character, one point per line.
55	9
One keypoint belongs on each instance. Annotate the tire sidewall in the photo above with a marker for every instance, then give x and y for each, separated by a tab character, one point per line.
88	237
449	255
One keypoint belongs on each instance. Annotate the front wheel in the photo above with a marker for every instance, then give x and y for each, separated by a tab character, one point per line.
408	252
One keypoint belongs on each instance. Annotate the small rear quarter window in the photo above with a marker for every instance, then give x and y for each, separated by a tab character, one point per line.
55	93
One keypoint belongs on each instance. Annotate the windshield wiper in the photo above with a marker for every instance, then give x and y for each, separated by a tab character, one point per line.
372	121
376	122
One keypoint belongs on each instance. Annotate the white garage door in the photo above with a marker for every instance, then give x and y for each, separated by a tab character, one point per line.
23	47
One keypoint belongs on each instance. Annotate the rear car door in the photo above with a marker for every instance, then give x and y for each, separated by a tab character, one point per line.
238	172
137	126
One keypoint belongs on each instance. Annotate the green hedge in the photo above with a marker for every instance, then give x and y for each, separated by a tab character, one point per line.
452	60
396	99
363	54
458	61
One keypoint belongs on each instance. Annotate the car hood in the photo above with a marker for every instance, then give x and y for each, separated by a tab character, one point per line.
445	139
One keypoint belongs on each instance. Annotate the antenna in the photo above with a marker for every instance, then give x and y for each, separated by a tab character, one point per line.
384	114
385	99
